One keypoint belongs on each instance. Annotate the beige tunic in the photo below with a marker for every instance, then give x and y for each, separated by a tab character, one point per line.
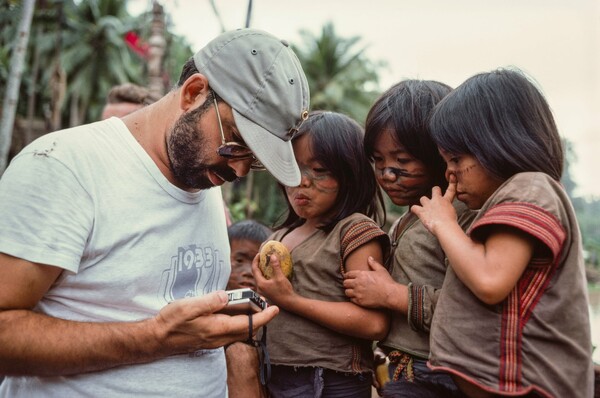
539	337
417	261
297	341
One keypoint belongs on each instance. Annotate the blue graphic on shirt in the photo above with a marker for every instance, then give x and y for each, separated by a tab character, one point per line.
194	271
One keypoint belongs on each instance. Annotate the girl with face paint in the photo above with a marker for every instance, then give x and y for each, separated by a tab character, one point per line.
320	343
407	165
513	316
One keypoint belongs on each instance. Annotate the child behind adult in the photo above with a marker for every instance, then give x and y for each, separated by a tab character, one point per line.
512	317
408	165
320	343
245	238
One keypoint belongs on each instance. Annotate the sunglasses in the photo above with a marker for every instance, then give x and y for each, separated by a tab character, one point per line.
234	150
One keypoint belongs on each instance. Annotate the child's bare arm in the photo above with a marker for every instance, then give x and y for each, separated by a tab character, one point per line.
343	317
490	269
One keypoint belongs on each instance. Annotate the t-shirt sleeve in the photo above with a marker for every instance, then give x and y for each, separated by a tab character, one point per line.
359	233
422	300
528	218
46	215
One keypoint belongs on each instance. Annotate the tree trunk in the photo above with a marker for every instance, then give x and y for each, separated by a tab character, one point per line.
156	53
11	97
31	101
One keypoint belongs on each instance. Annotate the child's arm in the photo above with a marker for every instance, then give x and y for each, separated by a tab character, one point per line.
490	269
376	288
343	317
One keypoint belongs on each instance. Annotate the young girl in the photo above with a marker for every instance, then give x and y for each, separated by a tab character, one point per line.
408	165
320	343
512	317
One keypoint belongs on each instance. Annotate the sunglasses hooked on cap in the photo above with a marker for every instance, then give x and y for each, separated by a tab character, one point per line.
260	77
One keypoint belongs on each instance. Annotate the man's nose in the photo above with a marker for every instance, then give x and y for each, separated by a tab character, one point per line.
241	167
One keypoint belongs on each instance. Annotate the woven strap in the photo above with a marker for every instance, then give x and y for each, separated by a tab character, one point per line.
403	362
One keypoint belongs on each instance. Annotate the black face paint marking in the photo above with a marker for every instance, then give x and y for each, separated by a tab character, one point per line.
464	170
320	182
399	173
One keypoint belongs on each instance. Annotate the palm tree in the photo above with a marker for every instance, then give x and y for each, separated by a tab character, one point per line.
95	56
340	78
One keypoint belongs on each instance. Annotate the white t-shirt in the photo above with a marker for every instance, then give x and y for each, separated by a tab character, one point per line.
90	200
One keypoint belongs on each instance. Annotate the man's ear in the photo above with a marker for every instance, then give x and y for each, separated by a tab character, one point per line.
193	91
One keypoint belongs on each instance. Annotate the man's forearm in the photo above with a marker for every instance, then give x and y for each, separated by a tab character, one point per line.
36	344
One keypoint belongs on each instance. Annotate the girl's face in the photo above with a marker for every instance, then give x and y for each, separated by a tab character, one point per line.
403	177
314	198
474	185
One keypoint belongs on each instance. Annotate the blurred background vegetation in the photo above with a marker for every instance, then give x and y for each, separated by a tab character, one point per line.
75	51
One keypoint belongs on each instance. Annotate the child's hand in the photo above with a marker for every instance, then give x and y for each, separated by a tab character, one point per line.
438	210
278	290
368	288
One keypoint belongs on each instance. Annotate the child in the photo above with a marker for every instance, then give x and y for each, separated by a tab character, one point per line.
512	318
408	166
320	343
245	238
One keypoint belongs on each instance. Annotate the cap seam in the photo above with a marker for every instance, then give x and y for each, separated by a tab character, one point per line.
266	78
219	48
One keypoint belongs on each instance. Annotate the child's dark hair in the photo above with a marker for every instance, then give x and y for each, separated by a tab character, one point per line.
337	144
404	110
248	230
502	119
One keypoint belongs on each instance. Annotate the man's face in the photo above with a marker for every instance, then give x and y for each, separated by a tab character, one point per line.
191	148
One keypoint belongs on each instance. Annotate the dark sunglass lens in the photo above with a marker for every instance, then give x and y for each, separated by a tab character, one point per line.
234	151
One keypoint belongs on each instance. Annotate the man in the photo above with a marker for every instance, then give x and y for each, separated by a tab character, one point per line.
113	249
126	98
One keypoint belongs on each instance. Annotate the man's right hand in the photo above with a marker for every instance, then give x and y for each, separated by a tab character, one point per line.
190	324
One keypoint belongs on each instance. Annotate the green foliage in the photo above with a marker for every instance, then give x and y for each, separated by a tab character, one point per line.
94	55
259	197
341	78
177	53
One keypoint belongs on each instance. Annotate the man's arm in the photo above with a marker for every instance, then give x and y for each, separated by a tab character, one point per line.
36	344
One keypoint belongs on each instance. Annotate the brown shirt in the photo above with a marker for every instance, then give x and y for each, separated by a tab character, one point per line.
418	261
539	337
317	274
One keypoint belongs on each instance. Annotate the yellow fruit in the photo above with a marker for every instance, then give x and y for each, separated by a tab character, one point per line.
285	258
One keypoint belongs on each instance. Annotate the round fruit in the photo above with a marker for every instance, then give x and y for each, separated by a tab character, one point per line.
285	258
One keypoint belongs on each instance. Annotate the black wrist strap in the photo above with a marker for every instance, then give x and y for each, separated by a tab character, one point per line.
264	361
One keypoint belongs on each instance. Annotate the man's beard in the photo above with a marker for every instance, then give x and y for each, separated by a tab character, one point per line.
186	149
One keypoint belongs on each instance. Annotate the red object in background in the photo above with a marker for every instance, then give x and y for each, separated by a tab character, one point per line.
136	44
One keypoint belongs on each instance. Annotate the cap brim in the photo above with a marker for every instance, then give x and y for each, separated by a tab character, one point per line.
274	153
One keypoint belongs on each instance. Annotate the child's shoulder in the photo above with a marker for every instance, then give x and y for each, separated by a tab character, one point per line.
532	188
356	219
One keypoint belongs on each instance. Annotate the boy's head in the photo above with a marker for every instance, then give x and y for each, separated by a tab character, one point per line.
245	238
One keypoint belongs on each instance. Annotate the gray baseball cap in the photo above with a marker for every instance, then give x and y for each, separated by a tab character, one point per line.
260	77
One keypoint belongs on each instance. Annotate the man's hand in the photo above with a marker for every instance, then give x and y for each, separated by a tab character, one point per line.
190	324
